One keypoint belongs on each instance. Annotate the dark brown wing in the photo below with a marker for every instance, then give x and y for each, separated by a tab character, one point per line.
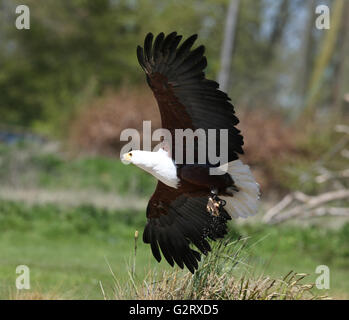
175	220
185	98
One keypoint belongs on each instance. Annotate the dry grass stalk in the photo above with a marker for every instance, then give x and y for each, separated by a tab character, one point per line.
217	278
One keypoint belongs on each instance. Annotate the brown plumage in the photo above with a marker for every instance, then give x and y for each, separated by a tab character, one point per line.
179	217
186	99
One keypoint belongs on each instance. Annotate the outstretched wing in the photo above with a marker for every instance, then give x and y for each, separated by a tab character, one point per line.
185	97
176	220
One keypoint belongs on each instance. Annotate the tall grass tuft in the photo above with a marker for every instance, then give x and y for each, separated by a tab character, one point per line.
224	274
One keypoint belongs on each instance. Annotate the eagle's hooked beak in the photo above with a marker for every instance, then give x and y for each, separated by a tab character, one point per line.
127	157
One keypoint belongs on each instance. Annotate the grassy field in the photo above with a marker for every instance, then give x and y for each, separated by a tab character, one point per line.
32	165
71	248
68	250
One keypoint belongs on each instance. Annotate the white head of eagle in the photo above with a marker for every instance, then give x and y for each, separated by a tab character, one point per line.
159	164
189	205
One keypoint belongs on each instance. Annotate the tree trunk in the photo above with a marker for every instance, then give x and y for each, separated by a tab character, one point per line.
342	79
224	77
323	59
306	50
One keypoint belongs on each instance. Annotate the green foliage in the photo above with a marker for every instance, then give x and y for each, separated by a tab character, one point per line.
297	174
54	222
76	50
317	149
104	174
66	56
28	165
216	279
66	249
317	242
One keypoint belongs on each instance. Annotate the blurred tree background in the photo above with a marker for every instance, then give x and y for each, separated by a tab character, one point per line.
73	83
77	50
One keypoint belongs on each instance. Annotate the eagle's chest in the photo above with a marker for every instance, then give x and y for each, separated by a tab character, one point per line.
166	172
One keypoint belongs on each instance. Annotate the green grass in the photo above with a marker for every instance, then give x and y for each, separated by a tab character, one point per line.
275	250
221	275
28	165
67	250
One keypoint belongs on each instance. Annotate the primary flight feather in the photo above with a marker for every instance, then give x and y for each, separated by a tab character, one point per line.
190	205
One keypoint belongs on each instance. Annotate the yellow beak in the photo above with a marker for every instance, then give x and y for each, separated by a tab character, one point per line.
126	157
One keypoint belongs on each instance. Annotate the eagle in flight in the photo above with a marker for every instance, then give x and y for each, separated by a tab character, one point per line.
190	205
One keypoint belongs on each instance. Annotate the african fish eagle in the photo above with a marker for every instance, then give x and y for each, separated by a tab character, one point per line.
190	205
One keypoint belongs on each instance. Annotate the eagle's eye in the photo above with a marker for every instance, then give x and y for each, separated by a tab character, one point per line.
130	154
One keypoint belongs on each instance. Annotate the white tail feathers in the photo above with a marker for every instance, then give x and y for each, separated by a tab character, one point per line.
243	203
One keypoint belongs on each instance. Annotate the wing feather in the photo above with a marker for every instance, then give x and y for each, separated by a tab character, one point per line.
148	41
175	221
185	97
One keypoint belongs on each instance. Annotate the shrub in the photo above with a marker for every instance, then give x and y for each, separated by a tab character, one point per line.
217	278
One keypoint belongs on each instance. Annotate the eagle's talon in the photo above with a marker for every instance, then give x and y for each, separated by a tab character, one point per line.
215	206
